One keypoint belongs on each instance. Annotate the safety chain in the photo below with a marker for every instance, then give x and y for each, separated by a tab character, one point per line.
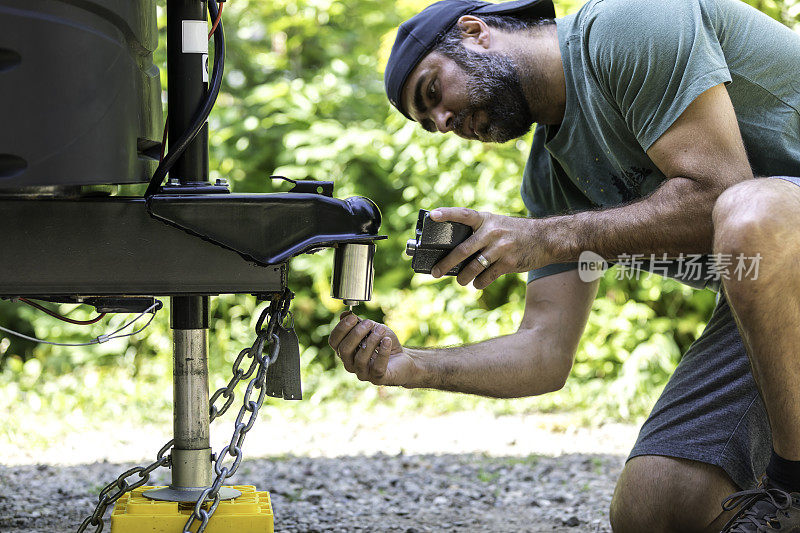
277	312
114	490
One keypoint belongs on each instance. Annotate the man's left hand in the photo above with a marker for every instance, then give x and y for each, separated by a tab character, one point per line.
506	244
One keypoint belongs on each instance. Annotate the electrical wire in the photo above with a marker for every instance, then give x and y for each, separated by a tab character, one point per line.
60	316
201	115
219	17
101	338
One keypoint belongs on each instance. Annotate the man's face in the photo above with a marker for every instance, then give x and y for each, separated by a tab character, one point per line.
477	95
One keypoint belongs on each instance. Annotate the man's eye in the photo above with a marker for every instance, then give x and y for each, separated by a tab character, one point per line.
432	92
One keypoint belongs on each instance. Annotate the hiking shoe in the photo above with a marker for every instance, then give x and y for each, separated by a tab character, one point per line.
765	508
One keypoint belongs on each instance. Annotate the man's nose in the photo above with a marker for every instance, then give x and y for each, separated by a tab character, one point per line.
443	119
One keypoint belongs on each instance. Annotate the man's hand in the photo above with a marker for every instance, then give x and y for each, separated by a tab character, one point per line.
509	244
372	352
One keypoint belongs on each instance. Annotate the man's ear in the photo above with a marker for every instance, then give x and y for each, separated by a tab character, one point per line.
474	31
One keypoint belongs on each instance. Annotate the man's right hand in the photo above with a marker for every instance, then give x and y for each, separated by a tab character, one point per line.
372	352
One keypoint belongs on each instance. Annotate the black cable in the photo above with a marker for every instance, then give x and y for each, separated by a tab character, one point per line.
202	113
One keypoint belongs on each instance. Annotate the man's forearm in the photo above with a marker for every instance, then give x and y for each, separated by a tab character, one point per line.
511	366
675	219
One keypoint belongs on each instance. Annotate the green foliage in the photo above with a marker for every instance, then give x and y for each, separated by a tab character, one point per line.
635	337
303	97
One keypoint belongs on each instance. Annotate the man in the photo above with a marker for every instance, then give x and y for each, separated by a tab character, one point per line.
653	118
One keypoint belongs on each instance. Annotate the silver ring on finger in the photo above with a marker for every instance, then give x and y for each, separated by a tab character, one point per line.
485	263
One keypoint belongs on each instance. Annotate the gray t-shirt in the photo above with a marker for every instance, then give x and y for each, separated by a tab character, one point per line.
631	68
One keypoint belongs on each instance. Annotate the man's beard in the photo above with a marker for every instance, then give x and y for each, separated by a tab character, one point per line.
495	88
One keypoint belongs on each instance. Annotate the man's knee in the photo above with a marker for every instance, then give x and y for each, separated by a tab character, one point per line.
663	494
755	216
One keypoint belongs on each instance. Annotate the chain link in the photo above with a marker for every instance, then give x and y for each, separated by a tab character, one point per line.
277	311
114	490
264	336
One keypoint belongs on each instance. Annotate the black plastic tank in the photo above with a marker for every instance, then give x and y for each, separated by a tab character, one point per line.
79	92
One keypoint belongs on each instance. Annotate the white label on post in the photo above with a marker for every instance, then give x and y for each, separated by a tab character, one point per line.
195	36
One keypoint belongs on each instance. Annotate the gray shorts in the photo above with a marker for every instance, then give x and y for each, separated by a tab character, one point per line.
710	411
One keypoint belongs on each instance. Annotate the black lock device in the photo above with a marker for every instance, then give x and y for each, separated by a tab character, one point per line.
433	241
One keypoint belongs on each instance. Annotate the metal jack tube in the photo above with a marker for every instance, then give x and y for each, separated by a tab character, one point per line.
191	453
190	419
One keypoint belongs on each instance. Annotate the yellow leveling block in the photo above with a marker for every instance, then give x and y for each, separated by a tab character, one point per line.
249	513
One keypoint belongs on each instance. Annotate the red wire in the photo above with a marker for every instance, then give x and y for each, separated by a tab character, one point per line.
61	317
219	17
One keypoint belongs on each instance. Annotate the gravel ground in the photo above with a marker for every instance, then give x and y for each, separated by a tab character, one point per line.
462	473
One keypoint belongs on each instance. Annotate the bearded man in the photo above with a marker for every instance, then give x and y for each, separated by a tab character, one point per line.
653	117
